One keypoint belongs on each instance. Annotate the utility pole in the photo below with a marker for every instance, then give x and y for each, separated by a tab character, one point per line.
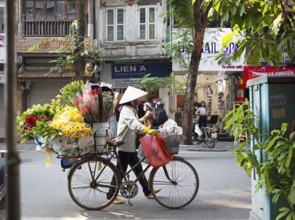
12	158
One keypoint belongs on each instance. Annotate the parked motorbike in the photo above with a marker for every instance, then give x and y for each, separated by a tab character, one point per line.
204	135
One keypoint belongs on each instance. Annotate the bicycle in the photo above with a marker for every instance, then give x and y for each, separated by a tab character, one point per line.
90	177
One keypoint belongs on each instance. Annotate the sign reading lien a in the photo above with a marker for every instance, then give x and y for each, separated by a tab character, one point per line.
251	72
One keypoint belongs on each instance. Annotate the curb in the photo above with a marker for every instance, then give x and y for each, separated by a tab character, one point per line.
219	147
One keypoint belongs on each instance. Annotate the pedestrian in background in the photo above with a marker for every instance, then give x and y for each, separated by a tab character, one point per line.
202	113
160	115
147	119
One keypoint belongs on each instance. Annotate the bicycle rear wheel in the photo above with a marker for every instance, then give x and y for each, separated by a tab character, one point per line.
178	181
89	181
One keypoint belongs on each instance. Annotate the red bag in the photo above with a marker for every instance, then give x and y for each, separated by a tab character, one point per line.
155	150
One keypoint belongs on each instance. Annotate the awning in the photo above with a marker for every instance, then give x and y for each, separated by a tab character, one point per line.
251	72
43	73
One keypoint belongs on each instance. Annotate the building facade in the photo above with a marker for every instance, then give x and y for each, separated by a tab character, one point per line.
131	35
216	83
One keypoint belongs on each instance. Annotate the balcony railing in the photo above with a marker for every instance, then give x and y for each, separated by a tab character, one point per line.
47	28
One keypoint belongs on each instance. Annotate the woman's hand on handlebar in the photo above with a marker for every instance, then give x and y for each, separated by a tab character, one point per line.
152	132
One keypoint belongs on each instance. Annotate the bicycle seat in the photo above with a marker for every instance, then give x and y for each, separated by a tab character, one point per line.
116	143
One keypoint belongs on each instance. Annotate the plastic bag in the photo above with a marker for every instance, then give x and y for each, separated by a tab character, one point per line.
170	128
155	150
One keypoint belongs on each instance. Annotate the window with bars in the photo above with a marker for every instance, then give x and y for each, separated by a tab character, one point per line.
147	23
49	17
115	24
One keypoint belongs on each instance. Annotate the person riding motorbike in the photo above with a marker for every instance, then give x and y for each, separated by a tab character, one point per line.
160	115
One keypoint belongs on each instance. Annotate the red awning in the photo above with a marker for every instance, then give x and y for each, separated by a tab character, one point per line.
251	72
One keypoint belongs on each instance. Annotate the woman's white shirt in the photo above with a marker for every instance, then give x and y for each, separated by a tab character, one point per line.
201	111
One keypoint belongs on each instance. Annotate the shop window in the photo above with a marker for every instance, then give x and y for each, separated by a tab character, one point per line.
147	23
115	18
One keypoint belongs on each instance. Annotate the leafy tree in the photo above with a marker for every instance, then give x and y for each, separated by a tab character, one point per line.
151	84
266	27
79	42
276	174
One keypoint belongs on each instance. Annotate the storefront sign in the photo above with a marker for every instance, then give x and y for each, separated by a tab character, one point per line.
124	83
251	72
139	70
2	49
212	44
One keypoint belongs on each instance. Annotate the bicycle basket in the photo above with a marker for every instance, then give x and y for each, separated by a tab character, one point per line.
66	163
172	143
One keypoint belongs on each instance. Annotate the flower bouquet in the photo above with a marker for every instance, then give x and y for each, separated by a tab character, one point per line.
70	92
55	128
35	121
95	101
75	134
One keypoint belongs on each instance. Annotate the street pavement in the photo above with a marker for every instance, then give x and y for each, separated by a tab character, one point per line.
219	147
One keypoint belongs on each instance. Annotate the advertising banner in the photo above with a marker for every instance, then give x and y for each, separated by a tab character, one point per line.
212	44
251	72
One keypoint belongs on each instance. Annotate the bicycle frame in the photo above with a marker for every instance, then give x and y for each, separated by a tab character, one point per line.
87	175
125	176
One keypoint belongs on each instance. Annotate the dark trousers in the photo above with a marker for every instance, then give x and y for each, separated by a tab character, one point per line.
203	121
130	158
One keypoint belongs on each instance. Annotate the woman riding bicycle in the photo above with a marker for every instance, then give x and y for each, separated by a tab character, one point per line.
128	127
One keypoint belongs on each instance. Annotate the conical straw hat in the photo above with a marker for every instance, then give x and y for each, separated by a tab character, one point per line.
131	94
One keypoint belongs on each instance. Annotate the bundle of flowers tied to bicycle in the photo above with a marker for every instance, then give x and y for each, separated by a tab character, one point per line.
159	149
68	129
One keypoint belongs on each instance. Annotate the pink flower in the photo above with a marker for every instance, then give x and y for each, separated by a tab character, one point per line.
84	110
78	101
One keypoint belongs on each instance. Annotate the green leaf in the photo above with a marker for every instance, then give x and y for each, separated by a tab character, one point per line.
291	196
283	212
277	23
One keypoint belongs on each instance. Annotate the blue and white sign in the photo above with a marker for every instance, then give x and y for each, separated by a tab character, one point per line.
139	70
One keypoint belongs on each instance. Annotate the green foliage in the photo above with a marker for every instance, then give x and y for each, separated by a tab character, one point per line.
182	12
152	84
266	27
277	172
183	38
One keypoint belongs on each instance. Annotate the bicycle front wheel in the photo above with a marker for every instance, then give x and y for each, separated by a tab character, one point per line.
178	181
90	180
209	141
